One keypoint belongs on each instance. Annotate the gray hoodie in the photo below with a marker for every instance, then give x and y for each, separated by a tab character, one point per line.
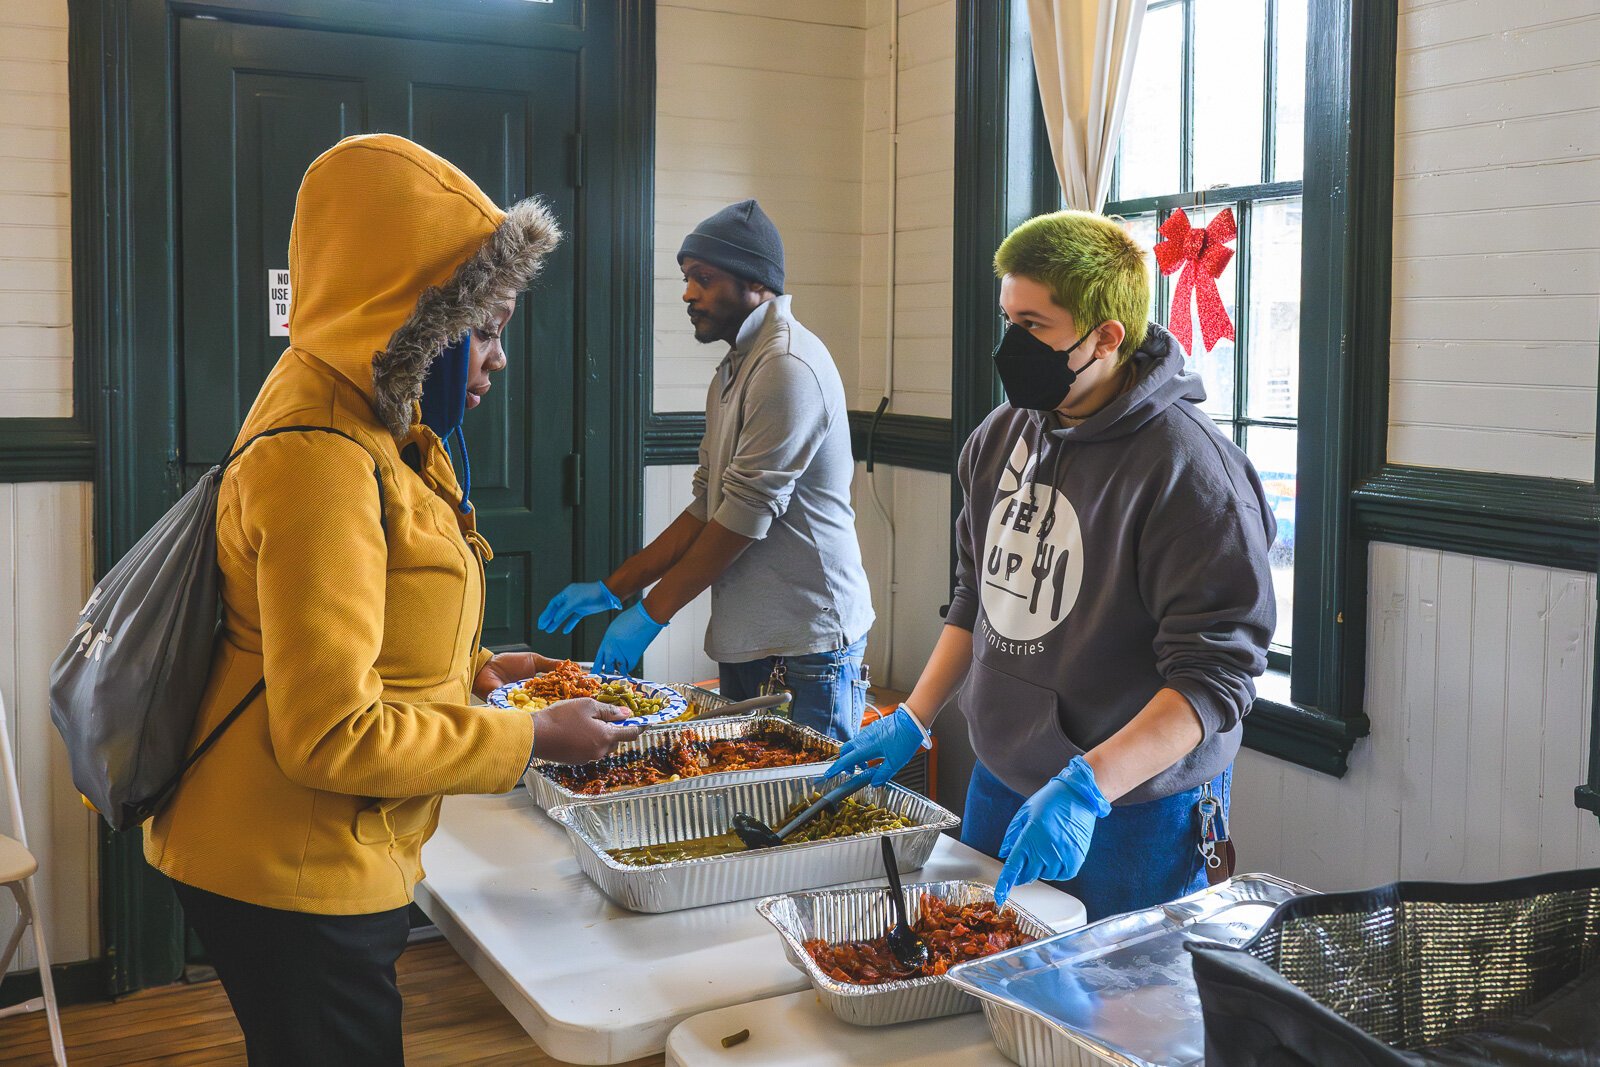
1099	563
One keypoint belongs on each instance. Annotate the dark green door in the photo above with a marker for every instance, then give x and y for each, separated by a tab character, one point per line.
256	105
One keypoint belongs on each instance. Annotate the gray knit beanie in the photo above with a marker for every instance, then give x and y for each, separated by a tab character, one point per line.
742	240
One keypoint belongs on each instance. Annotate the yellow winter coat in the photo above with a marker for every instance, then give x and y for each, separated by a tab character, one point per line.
320	795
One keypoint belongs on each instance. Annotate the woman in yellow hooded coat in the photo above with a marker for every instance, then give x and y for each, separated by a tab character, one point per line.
295	843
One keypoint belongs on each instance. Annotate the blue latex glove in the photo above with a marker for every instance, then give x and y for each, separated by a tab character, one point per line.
626	639
568	607
1049	836
893	739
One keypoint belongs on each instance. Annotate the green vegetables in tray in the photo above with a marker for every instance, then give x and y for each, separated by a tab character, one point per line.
852	818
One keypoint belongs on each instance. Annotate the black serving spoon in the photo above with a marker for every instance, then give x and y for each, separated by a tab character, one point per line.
757	834
910	951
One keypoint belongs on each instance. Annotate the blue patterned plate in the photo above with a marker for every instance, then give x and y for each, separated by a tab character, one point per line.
674	707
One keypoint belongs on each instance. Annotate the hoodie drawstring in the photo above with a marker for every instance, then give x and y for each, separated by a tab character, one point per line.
466	466
1055	469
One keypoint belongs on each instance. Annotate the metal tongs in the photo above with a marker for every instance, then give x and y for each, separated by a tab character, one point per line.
743	707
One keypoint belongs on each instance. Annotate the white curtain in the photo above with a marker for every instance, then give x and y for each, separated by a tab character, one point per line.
1083	55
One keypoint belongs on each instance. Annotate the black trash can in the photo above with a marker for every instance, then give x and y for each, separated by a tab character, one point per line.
1412	974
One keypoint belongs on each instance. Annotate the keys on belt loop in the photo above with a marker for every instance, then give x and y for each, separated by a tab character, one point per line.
777	682
1213	826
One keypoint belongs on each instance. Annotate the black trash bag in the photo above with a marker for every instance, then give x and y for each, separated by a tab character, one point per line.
1411	975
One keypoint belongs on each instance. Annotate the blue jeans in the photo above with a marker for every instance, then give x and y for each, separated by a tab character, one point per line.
830	690
1141	854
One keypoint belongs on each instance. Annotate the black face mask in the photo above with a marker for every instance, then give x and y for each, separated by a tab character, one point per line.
1035	376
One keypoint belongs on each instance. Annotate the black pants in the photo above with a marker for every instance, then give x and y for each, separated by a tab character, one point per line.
307	990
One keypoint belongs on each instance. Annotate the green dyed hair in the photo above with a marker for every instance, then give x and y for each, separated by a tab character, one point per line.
1090	264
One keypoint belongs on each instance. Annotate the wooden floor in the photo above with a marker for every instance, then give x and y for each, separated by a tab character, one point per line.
450	1017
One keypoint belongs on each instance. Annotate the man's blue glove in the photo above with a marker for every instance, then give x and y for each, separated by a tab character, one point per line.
893	739
1049	835
568	607
626	639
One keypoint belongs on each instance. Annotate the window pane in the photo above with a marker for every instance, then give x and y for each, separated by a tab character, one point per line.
1289	134
1148	151
1273	388
1142	228
1215	366
1273	453
1229	91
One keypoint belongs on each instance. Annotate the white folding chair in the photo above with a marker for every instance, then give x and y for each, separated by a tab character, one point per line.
16	874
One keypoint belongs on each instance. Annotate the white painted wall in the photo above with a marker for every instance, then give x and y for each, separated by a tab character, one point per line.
46	559
759	100
1479	675
1496	237
35	250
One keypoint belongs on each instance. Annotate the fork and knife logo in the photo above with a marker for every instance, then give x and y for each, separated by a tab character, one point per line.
1031	568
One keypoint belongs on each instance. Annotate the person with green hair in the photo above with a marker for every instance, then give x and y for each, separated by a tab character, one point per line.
1113	599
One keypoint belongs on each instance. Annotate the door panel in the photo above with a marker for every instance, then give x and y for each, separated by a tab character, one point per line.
256	105
236	226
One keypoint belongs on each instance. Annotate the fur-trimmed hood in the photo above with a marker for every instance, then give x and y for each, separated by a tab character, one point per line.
395	253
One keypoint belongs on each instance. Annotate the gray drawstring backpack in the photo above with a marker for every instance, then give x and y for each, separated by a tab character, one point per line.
125	691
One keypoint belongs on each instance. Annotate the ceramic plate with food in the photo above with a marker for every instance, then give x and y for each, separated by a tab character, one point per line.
649	702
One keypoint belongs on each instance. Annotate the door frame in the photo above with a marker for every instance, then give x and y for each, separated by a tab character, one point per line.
122	73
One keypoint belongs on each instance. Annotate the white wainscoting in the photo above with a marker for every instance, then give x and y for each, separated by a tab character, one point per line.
46	563
678	655
1479	675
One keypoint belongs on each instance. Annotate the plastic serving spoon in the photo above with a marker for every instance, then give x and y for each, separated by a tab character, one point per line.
910	951
757	834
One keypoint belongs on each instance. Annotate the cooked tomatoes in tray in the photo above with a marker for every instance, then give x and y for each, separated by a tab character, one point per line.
954	933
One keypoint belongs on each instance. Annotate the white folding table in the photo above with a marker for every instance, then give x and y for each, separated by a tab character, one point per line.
797	1030
591	982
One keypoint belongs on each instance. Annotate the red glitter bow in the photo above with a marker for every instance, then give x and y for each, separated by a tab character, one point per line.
1202	256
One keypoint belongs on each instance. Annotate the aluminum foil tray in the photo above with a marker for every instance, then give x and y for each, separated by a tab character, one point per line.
703	703
700	812
547	793
863	913
1120	991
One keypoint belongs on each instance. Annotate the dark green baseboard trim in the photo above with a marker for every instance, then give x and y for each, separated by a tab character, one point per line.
1547	522
914	441
1302	736
83	982
45	450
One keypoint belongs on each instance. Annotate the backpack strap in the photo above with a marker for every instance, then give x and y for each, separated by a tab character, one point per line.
150	805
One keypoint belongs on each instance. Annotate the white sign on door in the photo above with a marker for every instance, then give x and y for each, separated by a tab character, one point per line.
278	302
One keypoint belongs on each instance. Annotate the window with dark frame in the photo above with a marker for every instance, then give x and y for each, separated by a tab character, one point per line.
1191	139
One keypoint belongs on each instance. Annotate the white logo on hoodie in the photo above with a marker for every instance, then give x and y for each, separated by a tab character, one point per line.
1032	565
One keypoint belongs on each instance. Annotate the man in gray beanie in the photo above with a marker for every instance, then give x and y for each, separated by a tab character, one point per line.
770	530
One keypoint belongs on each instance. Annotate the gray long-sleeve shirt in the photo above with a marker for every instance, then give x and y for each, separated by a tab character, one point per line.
776	466
1098	564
